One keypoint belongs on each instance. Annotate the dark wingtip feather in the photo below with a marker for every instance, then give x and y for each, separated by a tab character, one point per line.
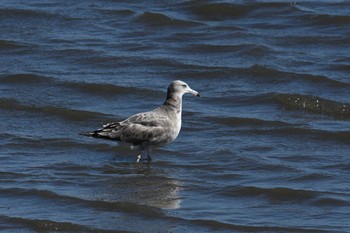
89	134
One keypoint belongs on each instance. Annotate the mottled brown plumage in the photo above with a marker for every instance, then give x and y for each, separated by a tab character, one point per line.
158	127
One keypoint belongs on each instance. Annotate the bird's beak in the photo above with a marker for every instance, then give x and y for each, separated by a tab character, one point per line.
193	92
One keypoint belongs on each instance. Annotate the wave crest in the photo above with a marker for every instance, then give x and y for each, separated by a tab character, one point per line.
315	104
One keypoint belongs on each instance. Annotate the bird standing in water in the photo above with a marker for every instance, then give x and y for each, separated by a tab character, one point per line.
155	128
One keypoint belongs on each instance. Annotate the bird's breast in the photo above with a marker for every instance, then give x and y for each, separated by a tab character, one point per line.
175	130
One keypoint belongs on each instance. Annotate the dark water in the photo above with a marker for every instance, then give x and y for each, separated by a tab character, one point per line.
266	149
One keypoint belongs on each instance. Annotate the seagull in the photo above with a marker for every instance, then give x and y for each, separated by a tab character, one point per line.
155	128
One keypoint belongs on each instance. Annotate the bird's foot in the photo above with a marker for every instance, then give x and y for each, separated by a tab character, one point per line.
138	157
149	159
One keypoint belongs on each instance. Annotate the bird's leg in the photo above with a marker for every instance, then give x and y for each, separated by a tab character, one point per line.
138	157
149	159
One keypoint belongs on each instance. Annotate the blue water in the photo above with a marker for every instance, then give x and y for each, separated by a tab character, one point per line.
265	149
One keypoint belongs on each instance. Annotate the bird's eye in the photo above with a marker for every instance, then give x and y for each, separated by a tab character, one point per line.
184	85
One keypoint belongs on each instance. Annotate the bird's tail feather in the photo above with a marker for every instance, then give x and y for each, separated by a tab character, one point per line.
100	133
95	134
109	131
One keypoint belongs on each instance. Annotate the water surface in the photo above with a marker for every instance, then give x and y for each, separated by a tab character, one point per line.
266	149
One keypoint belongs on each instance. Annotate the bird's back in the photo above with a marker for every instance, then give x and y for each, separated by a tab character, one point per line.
156	127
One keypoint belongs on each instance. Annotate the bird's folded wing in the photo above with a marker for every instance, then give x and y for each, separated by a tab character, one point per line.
148	119
137	133
137	129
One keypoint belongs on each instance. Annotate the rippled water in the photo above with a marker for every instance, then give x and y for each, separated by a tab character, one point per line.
266	149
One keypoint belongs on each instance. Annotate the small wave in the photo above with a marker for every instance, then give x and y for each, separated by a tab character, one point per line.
338	136
41	225
31	192
340	67
12	175
25	79
339	166
76	54
25	13
273	194
314	104
313	177
330	16
312	40
34	15
284	76
208	48
102	89
331	202
212	224
69	114
242	100
325	19
4	44
220	11
111	89
31	142
128	207
248	49
225	11
259	72
238	121
157	19
124	12
110	61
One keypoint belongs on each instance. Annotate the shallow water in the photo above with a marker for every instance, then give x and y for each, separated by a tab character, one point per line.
266	149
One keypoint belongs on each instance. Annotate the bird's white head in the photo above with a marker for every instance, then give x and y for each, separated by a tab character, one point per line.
181	88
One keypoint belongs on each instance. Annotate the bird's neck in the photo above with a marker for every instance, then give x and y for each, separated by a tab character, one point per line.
174	101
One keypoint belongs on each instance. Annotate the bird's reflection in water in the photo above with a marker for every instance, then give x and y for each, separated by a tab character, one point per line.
141	183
